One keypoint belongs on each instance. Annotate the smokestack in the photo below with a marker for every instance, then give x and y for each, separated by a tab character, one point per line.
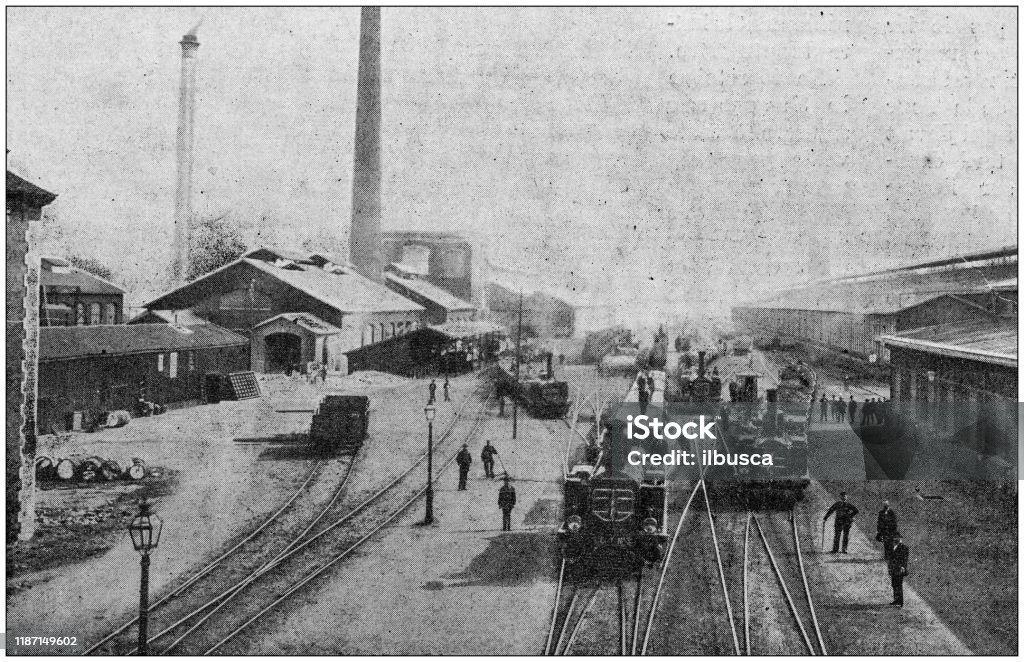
183	193
364	237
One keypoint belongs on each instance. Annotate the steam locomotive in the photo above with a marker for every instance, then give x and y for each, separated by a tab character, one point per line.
607	511
537	390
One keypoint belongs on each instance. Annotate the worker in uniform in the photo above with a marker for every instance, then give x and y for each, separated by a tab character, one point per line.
824	409
487	455
433	392
887	529
844	512
899	559
463	459
852	408
506	501
446	387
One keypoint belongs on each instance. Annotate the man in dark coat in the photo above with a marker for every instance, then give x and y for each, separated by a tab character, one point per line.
841	408
835	407
865	417
463	459
887	529
446	387
899	559
433	392
824	409
487	455
852	408
650	385
845	512
642	395
506	501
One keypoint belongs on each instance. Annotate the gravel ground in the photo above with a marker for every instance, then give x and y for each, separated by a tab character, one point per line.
223	489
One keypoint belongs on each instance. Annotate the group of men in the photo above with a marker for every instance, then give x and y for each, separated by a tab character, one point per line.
644	390
896	554
873	411
507	493
432	390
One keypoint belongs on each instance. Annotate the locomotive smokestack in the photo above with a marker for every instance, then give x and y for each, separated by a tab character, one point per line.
183	192
364	237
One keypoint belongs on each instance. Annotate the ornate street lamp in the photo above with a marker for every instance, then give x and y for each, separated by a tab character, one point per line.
429	412
145	532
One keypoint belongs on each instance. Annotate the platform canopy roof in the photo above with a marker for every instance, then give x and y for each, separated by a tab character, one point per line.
459	330
989	341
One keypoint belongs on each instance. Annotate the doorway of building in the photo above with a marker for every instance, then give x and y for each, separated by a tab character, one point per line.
282	350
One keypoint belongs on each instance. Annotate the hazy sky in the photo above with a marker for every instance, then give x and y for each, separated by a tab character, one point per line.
679	158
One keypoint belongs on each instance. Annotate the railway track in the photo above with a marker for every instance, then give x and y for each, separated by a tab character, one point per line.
192	621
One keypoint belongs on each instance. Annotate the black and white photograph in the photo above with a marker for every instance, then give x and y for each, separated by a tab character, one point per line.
512	331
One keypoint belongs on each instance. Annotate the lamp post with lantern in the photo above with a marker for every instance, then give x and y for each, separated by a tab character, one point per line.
430	412
145	533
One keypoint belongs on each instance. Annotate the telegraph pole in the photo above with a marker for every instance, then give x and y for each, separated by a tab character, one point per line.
519	356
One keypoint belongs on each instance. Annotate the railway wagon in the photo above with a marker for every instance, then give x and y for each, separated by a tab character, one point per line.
339	424
539	393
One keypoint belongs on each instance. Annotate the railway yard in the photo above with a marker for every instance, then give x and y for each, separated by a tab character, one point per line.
298	573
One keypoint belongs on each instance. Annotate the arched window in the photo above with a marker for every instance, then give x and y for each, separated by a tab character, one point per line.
80	314
94	314
111	313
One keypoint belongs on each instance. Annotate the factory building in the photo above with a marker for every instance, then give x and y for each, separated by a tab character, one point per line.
69	296
25	202
958	382
343	309
441	307
85	371
847	316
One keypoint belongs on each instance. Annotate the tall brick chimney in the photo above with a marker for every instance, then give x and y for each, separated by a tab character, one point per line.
364	237
186	139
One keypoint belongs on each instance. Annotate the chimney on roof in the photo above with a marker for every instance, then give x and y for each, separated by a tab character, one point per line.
183	192
364	235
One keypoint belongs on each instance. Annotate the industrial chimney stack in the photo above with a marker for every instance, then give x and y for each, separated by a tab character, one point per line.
183	194
364	237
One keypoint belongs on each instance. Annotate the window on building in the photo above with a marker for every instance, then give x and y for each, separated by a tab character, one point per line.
172	366
159	362
80	314
94	314
111	313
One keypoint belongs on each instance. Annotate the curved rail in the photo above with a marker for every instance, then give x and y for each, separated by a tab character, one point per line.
664	570
807	588
746	587
339	557
554	611
226	596
579	621
216	562
721	570
785	589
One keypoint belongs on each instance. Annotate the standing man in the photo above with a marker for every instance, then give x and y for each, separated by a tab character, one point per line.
853	410
433	392
842	410
641	391
650	384
323	373
487	455
463	459
887	529
835	407
506	501
446	387
824	409
899	559
845	512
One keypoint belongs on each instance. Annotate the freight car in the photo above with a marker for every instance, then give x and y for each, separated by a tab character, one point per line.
539	393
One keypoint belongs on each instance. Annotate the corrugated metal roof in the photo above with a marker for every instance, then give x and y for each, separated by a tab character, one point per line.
309	322
71	342
438	295
989	341
885	295
79	279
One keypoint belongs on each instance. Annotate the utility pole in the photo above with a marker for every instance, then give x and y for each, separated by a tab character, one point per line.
519	356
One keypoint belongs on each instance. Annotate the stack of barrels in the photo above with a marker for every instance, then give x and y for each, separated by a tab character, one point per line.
89	469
